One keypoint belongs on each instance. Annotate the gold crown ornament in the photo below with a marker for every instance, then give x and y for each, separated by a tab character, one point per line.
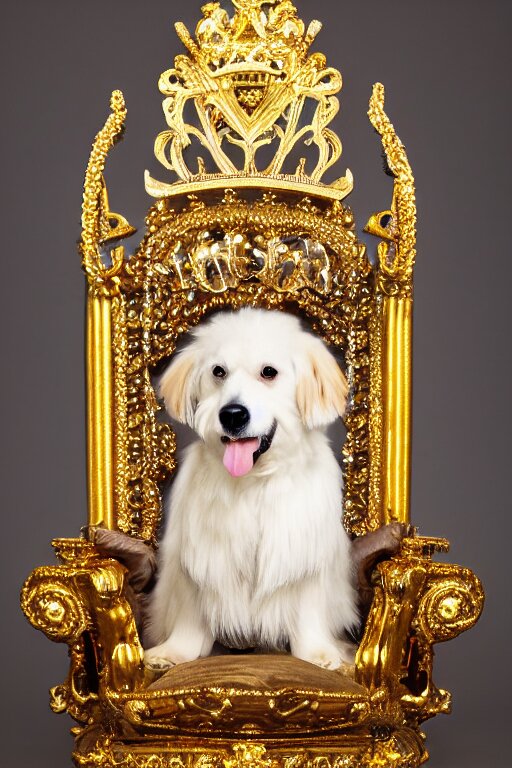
250	81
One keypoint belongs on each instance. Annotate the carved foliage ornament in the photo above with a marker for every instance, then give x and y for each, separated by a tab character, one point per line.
249	80
403	750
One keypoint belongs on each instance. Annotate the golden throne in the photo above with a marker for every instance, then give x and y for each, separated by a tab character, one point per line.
266	234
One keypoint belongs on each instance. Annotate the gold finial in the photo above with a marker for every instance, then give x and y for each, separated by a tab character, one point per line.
249	79
397	226
100	225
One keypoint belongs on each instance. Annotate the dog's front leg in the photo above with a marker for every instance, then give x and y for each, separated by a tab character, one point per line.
312	638
189	639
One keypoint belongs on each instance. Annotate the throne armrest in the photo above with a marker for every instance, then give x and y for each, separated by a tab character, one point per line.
84	603
417	602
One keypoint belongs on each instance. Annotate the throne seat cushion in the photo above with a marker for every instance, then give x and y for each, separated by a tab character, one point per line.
253	671
249	694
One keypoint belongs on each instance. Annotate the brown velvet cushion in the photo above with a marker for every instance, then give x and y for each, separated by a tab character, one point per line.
270	672
272	694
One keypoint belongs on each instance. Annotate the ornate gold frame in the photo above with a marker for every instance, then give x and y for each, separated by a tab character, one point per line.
383	320
137	309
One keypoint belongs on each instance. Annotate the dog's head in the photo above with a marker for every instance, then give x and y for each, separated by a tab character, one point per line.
251	381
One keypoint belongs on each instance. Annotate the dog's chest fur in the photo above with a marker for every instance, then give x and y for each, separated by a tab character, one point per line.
250	550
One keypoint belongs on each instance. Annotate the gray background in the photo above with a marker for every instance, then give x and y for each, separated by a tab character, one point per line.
446	67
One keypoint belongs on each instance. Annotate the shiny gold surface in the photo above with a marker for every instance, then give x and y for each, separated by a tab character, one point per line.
251	83
397	251
98	223
100	409
417	602
101	226
281	240
404	749
391	330
397	408
184	269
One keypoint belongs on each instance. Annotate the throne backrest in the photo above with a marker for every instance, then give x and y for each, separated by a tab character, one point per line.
246	237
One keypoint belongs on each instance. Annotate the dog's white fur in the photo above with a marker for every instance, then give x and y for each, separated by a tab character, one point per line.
261	559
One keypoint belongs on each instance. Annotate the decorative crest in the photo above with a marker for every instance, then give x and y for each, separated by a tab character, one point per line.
250	79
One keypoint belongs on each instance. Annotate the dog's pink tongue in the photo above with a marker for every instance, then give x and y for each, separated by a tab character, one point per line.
238	458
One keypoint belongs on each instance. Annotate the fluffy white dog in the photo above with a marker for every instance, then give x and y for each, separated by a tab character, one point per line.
254	553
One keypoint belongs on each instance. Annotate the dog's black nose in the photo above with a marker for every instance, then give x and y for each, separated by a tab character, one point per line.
234	417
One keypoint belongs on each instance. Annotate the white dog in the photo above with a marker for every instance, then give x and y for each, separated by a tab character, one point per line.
254	553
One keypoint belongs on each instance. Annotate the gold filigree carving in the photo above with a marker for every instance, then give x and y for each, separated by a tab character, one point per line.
241	711
144	446
403	749
74	603
73	552
397	227
391	329
228	252
51	606
417	602
252	755
292	246
99	224
112	226
249	80
452	604
375	415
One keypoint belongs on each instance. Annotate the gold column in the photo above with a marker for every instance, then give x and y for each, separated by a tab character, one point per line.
100	435
396	439
396	255
100	226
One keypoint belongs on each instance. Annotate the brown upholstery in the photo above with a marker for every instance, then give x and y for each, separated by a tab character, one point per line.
272	672
258	694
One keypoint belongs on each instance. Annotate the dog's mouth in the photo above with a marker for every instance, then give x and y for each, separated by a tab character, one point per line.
241	454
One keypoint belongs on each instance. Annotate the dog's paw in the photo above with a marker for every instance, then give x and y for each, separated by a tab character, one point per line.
167	655
158	664
347	652
157	659
330	655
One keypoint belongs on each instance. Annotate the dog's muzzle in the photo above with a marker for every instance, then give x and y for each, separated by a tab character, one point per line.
241	453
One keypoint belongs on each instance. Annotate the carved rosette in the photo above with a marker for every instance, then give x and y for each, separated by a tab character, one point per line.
52	606
451	605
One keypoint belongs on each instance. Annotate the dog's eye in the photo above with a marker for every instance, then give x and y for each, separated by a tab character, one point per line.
268	372
219	372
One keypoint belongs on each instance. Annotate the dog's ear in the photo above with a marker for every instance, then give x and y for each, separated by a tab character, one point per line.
177	386
322	387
